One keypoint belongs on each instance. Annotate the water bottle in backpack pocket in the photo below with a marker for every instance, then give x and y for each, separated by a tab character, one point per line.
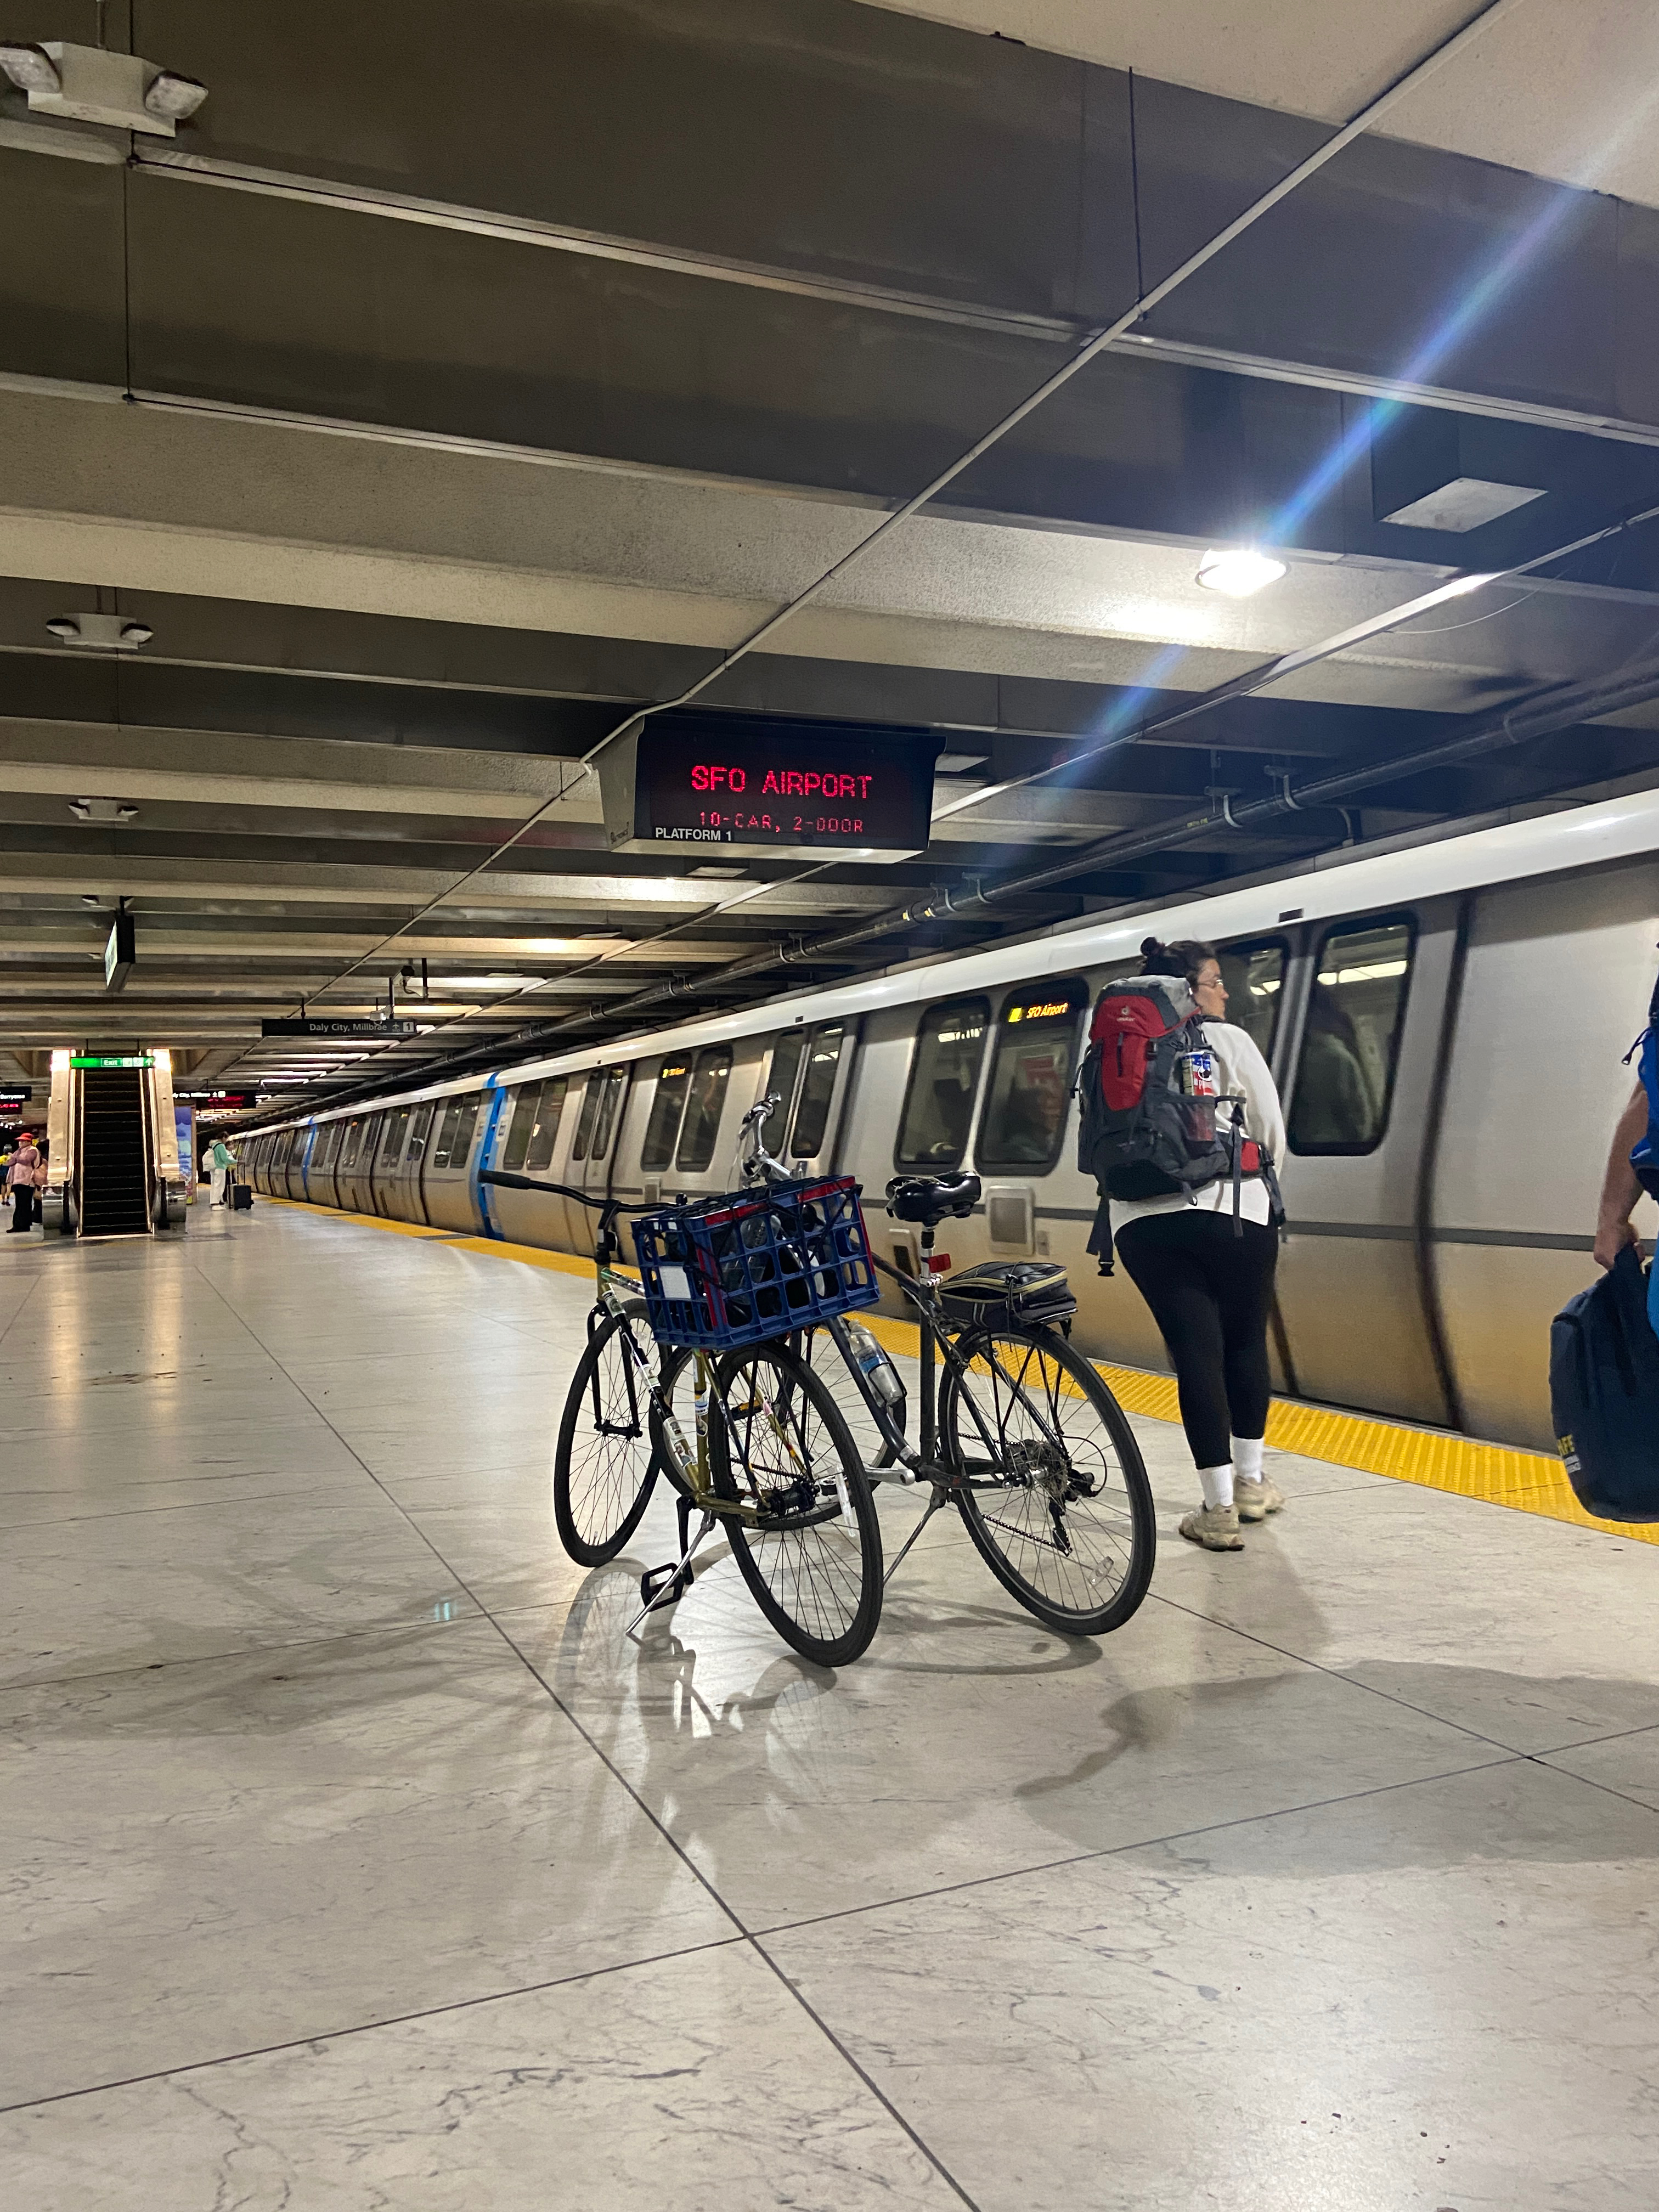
1148	1095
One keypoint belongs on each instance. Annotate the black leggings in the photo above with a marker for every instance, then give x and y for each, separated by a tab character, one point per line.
1211	1293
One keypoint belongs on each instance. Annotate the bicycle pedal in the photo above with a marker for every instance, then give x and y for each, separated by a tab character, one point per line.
656	1581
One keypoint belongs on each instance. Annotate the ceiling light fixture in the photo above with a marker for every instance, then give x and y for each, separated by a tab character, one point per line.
1238	571
92	84
101	632
103	809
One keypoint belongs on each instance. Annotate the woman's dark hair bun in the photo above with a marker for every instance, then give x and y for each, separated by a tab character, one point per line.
1149	946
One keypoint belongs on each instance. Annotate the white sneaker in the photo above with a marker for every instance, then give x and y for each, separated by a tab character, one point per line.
1256	1500
1215	1527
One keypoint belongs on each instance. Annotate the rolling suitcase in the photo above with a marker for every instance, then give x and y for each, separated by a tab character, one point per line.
242	1197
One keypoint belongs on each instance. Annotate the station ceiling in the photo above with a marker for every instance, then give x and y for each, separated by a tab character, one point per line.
445	393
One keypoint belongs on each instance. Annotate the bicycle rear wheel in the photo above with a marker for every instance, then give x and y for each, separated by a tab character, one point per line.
813	1559
1056	1499
604	1464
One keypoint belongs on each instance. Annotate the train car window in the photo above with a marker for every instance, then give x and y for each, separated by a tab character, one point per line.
391	1138
1255	977
812	1114
328	1145
450	1121
1351	1039
371	1145
780	1077
666	1107
585	1119
1031	1076
354	1137
466	1123
417	1136
545	1134
939	1103
525	1104
610	1091
702	1113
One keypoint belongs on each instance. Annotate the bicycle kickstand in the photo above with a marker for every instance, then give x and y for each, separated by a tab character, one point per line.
661	1587
933	1505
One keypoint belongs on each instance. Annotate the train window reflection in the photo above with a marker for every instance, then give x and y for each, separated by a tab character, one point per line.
391	1138
585	1119
526	1103
812	1114
702	1113
939	1105
354	1137
610	1093
1351	1040
1031	1076
1255	977
454	1137
328	1146
417	1135
781	1081
545	1134
667	1104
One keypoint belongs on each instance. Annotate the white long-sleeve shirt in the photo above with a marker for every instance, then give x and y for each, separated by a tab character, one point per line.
1240	1068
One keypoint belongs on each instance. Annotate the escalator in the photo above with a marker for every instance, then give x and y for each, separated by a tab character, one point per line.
116	1184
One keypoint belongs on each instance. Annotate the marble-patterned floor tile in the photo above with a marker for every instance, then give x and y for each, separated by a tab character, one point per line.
139	1590
968	1740
1628	1763
697	2085
1530	1632
213	1856
1440	1996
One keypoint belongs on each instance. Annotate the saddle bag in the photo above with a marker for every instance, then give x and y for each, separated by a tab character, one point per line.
1010	1294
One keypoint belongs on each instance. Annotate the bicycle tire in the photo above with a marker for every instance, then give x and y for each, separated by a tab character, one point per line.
601	1494
817	1580
1038	1380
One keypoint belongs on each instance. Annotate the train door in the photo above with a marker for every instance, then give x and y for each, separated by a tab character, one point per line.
356	1182
591	1151
444	1183
320	1183
532	1122
292	1176
1370	996
1023	1128
821	1096
388	1159
404	1195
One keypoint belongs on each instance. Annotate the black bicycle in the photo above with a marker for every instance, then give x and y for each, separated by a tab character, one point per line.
1021	1436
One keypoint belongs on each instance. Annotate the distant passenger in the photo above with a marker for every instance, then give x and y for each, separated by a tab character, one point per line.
1210	1292
220	1160
25	1174
1335	1103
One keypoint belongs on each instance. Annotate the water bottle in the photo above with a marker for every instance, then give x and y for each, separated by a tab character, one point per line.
870	1360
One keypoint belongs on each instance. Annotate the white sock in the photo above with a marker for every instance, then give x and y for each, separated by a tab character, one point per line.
1217	1483
1247	1457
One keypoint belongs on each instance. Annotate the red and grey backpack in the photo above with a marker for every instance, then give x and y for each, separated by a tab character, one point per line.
1148	1095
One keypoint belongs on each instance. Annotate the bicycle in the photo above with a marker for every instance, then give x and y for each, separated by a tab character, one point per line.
1024	1438
770	1463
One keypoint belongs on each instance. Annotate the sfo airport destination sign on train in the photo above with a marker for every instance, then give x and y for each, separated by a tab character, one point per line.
745	783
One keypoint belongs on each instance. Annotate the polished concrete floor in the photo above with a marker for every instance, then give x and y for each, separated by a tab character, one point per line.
354	1859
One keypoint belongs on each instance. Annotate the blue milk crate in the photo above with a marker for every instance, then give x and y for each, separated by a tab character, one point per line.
754	1264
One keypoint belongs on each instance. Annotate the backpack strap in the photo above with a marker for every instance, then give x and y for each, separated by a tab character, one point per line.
1100	1236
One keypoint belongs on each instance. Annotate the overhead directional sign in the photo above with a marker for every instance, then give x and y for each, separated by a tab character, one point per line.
225	1098
112	1060
119	953
16	1094
306	1026
693	782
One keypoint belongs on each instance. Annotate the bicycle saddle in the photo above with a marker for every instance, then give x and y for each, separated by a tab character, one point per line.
929	1200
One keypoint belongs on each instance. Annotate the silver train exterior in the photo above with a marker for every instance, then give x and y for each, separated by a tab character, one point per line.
1446	1023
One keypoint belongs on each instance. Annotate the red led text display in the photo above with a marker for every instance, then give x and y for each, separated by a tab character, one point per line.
782	791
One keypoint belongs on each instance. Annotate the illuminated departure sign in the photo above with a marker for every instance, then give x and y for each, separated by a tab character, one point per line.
701	784
123	1059
310	1026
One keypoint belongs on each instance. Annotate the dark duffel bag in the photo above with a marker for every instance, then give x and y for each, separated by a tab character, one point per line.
242	1197
1009	1294
1604	1395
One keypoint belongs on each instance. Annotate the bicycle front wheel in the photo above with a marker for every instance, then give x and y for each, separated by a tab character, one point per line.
604	1465
811	1554
1055	1492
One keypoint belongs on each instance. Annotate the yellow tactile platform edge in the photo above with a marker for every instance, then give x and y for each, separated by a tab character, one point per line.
1498	1474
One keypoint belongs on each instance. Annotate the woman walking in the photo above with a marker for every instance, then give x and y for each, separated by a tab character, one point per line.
1211	1290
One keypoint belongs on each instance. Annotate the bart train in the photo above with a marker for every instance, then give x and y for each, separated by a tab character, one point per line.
1446	1021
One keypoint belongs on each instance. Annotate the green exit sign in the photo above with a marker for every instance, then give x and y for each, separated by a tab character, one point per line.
131	1060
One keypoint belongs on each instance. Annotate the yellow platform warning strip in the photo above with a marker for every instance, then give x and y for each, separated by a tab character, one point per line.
1498	1474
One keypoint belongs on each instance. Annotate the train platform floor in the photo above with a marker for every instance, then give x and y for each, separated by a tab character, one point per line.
358	1859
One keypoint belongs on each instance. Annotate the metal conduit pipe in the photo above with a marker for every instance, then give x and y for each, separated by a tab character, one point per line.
1548	712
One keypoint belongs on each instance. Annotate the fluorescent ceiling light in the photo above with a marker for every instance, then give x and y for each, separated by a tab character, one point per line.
1465	503
1238	571
475	983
